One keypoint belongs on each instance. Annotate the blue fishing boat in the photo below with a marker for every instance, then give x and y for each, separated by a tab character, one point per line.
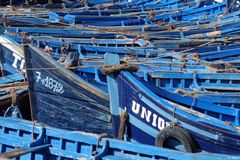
185	14
13	86
62	99
191	14
151	115
58	32
23	140
47	96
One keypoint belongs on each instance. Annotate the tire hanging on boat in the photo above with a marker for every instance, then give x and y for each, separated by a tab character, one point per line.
178	133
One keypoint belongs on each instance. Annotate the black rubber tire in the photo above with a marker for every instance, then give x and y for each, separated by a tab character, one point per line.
178	133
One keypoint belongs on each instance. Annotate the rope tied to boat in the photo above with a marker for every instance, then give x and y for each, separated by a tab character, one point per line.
185	58
24	39
185	93
14	96
229	7
170	26
100	137
116	68
123	124
150	15
222	67
6	21
196	57
159	24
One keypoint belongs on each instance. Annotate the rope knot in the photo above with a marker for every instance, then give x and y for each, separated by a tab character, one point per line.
116	68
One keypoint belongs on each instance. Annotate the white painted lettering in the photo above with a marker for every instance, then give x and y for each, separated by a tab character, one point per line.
22	64
146	114
161	123
38	76
16	59
49	82
154	122
135	107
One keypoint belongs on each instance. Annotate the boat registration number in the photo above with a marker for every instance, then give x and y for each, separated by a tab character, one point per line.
49	82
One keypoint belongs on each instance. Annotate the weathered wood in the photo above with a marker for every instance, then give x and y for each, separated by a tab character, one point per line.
22	151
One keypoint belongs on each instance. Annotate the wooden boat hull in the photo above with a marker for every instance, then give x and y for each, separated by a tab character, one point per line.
147	117
62	99
12	78
51	143
150	110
